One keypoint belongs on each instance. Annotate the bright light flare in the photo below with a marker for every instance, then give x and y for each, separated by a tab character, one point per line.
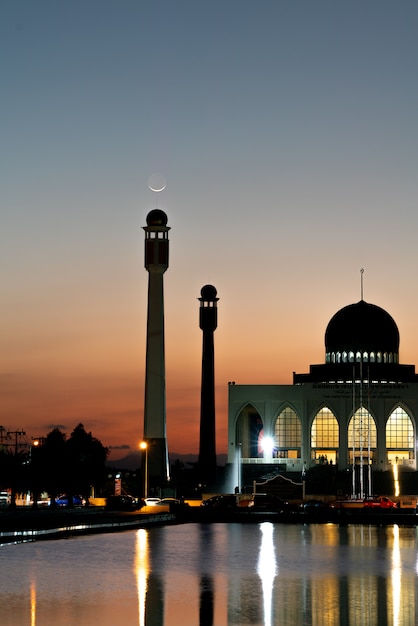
396	479
267	445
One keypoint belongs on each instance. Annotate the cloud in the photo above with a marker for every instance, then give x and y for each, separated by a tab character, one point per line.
50	427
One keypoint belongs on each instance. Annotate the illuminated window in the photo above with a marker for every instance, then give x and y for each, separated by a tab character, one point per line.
324	431
287	430
362	430
399	430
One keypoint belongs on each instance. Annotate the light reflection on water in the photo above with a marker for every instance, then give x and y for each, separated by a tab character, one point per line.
215	575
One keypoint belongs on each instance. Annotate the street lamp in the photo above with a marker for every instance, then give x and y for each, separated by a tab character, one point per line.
144	446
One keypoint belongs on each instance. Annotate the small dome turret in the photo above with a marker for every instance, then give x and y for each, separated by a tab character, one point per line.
156	217
208	293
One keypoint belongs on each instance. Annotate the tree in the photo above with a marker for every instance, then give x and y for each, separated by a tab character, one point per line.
86	458
53	456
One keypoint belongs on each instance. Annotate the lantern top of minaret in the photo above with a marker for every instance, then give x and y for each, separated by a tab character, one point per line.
208	294
157	217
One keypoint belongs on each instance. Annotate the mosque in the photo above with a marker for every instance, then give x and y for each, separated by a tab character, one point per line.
357	409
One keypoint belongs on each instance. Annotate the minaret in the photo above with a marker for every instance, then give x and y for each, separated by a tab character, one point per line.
207	449
156	263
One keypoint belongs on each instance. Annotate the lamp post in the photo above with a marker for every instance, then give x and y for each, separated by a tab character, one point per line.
239	456
144	446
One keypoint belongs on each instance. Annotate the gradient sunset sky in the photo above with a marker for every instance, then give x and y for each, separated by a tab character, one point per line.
287	132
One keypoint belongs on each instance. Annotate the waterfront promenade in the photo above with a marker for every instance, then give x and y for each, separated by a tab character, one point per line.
27	524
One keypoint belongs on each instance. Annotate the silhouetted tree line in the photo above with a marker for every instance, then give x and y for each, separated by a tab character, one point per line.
58	465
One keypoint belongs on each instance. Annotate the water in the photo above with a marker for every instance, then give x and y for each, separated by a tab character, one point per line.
215	575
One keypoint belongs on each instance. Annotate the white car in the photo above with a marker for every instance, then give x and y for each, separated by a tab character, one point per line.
4	498
152	501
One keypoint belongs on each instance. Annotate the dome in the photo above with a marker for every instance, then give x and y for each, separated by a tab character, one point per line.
156	217
208	293
362	327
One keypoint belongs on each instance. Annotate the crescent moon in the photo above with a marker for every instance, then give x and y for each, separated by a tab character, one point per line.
157	183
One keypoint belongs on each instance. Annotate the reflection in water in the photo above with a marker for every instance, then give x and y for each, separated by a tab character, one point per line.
396	576
149	585
267	569
216	575
206	601
32	604
206	591
141	571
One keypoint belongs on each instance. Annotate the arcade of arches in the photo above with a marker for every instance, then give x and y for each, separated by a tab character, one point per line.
286	442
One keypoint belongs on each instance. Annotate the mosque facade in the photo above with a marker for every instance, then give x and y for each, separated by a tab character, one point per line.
358	408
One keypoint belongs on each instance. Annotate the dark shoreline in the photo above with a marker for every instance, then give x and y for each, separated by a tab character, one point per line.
22	524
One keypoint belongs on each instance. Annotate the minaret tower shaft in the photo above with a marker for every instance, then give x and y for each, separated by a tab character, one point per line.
156	263
208	321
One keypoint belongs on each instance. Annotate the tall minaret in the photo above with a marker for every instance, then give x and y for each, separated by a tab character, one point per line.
207	449
156	263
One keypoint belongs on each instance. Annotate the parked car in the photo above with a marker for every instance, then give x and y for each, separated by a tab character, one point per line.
63	501
314	506
5	499
225	501
152	501
383	502
122	503
267	502
174	503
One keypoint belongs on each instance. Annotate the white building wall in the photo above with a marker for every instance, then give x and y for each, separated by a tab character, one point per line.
308	399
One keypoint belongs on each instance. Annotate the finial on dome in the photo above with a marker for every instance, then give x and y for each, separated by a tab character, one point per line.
361	282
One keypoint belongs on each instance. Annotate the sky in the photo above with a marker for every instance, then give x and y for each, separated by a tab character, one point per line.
287	134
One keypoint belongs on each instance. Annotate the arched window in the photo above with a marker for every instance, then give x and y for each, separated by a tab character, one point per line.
362	431
324	430
248	431
287	430
399	437
365	357
372	357
344	357
351	357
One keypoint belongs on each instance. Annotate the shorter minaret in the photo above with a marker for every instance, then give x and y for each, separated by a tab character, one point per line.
207	449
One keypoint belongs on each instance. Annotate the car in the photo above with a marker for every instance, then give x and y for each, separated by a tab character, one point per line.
152	501
122	503
224	501
63	501
383	502
267	502
173	503
314	506
5	499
